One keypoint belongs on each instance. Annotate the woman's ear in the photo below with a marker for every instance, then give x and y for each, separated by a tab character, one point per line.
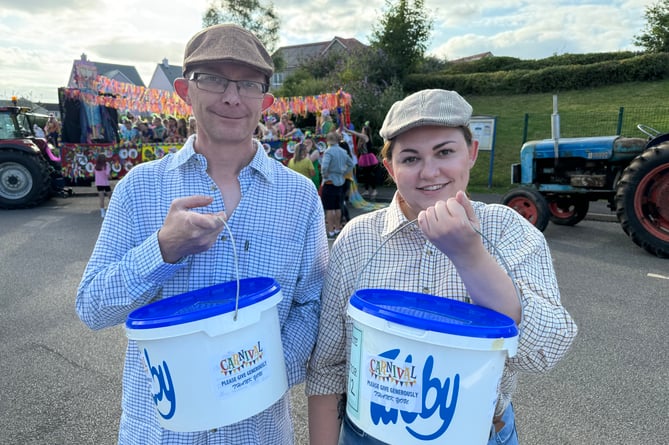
389	167
181	88
473	153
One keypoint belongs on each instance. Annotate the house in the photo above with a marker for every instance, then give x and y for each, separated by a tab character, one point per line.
472	58
164	75
120	73
296	54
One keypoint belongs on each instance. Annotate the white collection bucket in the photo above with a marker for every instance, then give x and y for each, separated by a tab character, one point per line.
209	368
425	369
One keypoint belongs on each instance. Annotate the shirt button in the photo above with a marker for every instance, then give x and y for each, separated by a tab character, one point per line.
214	430
429	252
213	187
224	237
426	290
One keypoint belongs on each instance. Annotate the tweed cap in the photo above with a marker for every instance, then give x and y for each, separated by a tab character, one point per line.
427	107
227	42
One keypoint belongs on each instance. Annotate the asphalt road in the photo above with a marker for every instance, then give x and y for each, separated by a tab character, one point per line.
60	383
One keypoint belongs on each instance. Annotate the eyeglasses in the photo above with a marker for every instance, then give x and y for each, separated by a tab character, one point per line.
219	84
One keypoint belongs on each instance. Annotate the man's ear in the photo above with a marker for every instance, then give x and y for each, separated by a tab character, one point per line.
267	101
181	87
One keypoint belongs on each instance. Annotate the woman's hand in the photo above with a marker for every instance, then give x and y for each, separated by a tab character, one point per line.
449	225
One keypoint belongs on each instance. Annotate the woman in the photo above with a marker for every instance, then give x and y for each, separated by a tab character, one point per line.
429	152
315	157
301	162
366	172
52	129
182	130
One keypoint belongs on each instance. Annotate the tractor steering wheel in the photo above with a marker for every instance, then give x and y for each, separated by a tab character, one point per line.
648	131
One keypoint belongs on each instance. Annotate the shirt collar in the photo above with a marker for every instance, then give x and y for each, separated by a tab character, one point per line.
395	217
260	163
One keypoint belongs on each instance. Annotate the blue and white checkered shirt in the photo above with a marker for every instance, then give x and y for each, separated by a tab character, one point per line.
279	232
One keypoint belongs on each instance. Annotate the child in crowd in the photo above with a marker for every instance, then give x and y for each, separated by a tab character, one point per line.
102	171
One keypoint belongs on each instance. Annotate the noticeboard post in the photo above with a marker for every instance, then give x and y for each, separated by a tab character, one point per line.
483	129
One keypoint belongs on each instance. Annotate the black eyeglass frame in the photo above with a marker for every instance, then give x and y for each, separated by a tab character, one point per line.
195	77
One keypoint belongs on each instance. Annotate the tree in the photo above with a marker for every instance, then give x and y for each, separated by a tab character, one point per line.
402	34
261	20
655	37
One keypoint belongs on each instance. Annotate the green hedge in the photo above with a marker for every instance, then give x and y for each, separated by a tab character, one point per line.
549	78
493	64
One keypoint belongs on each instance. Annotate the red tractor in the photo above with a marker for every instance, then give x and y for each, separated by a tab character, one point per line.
30	169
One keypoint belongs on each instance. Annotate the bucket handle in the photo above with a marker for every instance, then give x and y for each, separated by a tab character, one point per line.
234	254
494	248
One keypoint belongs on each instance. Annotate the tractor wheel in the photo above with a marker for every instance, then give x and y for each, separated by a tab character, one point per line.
24	179
568	210
642	200
530	204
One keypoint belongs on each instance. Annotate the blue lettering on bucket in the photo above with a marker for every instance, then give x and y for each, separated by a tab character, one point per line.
164	384
446	410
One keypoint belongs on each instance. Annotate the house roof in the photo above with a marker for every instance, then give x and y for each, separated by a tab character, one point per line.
295	54
472	58
171	71
119	72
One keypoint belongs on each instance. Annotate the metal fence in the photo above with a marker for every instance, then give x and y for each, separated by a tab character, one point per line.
622	121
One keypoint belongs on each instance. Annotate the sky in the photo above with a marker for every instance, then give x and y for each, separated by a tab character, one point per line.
40	39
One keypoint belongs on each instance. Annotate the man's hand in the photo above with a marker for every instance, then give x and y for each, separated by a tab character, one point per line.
185	232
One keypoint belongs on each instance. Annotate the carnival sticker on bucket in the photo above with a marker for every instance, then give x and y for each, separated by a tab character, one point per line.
242	369
393	383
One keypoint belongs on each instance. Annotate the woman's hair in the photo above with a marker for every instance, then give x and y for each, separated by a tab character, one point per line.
300	152
387	150
100	162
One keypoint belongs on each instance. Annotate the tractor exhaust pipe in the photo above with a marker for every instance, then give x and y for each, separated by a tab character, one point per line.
555	129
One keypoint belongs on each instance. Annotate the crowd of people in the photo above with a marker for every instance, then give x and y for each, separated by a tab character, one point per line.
168	129
334	168
164	234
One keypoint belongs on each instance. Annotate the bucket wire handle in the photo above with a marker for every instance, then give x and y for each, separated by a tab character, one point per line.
234	254
493	246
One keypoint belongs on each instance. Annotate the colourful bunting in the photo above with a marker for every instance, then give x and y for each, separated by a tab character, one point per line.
127	97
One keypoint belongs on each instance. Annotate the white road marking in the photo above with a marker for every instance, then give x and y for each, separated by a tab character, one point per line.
656	275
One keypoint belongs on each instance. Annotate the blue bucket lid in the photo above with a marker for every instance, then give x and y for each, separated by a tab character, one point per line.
432	313
202	303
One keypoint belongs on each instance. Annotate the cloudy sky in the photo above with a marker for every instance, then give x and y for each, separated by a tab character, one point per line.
39	39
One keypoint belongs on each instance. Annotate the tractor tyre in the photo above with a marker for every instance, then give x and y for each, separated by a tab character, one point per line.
642	200
568	210
24	179
531	205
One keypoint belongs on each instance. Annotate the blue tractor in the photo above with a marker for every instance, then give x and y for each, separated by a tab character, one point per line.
559	178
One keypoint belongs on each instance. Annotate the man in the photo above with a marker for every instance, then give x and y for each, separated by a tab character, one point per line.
336	163
162	232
